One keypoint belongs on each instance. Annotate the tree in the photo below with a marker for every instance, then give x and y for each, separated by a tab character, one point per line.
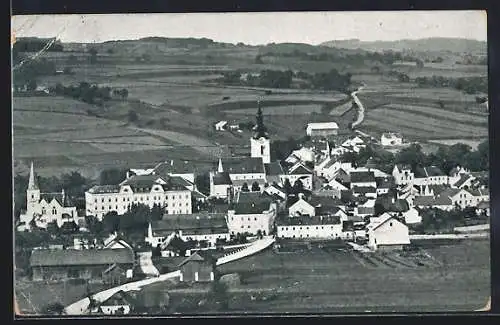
31	85
258	59
244	187
112	176
156	212
93	55
53	228
123	93
111	221
298	186
287	186
132	116
255	187
69	227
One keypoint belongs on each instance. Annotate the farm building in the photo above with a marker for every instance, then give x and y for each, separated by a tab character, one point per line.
386	232
208	228
306	227
322	129
80	264
199	267
391	139
44	208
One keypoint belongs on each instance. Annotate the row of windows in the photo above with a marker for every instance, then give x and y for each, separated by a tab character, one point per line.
147	198
255	219
301	236
307	228
125	206
54	211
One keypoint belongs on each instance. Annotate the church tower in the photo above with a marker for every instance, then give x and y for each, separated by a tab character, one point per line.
260	143
32	193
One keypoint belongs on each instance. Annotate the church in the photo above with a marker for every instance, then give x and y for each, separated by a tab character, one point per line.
235	174
44	208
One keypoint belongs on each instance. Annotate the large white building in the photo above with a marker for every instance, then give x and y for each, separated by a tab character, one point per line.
251	213
306	227
139	189
45	208
386	232
322	129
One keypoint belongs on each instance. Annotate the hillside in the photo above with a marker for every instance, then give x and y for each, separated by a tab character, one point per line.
455	45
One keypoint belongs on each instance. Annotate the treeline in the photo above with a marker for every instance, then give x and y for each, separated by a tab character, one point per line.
469	85
331	80
387	57
36	45
25	74
91	94
446	158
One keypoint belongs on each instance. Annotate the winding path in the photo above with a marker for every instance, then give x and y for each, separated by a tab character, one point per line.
361	108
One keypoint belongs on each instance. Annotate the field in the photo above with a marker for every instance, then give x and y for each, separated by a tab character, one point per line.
456	277
279	110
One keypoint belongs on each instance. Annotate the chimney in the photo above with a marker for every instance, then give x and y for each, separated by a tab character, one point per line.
171	162
63	196
128	174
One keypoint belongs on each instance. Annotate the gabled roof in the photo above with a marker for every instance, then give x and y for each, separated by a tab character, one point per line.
402	167
274	168
43	257
450	192
384	183
172	222
299	169
222	178
364	189
377	222
48	197
246	165
325	201
102	189
463	178
200	256
479	192
322	125
362	177
253	207
424	172
119	298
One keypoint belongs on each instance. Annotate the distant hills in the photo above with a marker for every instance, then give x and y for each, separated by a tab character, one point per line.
455	45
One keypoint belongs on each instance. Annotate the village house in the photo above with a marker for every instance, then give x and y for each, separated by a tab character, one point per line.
145	189
299	172
251	216
275	189
355	144
335	185
365	208
306	227
403	175
412	216
209	228
80	264
430	176
44	208
199	267
322	129
301	208
121	303
274	172
465	181
363	179
386	232
220	126
303	155
115	242
330	169
439	202
456	173
391	139
384	184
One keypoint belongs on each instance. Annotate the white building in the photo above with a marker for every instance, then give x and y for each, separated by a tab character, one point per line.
303	155
299	172
320	227
391	139
171	168
221	185
220	126
430	176
386	232
412	216
144	189
45	208
403	175
322	129
247	170
301	208
251	216
208	227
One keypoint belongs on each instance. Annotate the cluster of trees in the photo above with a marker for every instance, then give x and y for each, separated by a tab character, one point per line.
469	85
386	57
402	77
281	149
91	94
446	158
435	220
331	80
136	217
25	75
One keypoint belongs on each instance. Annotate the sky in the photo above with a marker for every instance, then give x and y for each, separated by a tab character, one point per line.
257	28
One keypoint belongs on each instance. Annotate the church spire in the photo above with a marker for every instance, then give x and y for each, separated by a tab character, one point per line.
260	129
220	169
32	185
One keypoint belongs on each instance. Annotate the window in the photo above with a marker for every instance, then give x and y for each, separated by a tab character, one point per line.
123	199
248	226
187	204
187	196
54	211
110	207
102	207
390	224
248	219
116	199
255	219
95	200
261	150
142	199
44	211
116	207
96	207
109	200
102	200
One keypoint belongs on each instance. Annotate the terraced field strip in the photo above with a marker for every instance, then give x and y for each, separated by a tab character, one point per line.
473	119
379	127
291	109
341	109
405	119
395	258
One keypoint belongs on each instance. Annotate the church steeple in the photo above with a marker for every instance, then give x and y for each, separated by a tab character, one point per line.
32	184
220	169
260	129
